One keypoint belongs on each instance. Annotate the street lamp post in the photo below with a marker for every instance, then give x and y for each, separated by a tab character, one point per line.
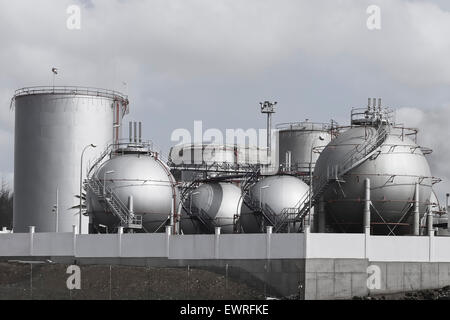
81	183
55	210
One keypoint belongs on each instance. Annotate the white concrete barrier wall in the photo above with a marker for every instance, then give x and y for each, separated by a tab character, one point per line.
336	245
15	244
401	249
140	245
52	244
226	246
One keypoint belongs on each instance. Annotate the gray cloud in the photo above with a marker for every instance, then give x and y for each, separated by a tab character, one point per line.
433	133
215	60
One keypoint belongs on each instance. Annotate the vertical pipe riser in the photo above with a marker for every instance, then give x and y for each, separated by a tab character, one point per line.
367	204
416	211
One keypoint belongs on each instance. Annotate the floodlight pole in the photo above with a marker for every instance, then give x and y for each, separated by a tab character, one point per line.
268	108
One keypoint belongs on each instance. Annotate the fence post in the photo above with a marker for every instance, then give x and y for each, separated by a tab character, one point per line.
31	230
119	234
168	233
268	241
216	242
431	243
367	243
75	232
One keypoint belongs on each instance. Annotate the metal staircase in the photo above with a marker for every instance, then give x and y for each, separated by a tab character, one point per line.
113	204
256	207
204	219
194	213
351	160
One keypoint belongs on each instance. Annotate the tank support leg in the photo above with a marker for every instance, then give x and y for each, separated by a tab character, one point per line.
416	211
430	228
321	216
367	206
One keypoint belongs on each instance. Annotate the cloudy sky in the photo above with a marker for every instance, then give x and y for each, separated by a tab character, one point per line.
186	60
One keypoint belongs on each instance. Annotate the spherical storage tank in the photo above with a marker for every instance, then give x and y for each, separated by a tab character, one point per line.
143	177
52	127
218	203
394	169
273	194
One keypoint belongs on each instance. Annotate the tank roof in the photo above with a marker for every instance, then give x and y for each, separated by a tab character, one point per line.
304	126
71	90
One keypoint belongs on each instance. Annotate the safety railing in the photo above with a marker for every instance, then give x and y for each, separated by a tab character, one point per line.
114	204
90	91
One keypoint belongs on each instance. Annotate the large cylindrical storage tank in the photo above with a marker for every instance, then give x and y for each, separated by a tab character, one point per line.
143	177
217	202
273	194
394	169
296	143
52	128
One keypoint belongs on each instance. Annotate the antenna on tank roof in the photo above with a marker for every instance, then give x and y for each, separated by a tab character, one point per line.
140	132
130	133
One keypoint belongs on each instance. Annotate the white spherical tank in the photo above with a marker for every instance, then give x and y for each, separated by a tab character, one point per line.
273	193
143	177
218	203
394	168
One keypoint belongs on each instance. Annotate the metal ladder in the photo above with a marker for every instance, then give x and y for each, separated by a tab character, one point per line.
352	159
112	203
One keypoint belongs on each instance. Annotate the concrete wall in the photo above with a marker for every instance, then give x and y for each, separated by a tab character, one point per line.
184	247
335	278
310	265
335	245
411	276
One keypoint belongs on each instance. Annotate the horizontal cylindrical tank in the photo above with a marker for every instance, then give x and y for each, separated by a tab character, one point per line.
197	154
143	177
52	127
272	194
216	204
297	142
215	154
394	169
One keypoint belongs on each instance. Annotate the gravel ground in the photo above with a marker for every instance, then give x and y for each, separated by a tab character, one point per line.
437	294
102	282
48	281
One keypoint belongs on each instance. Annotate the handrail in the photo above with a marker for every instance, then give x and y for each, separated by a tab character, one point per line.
112	147
119	203
367	148
122	212
72	90
304	125
203	217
